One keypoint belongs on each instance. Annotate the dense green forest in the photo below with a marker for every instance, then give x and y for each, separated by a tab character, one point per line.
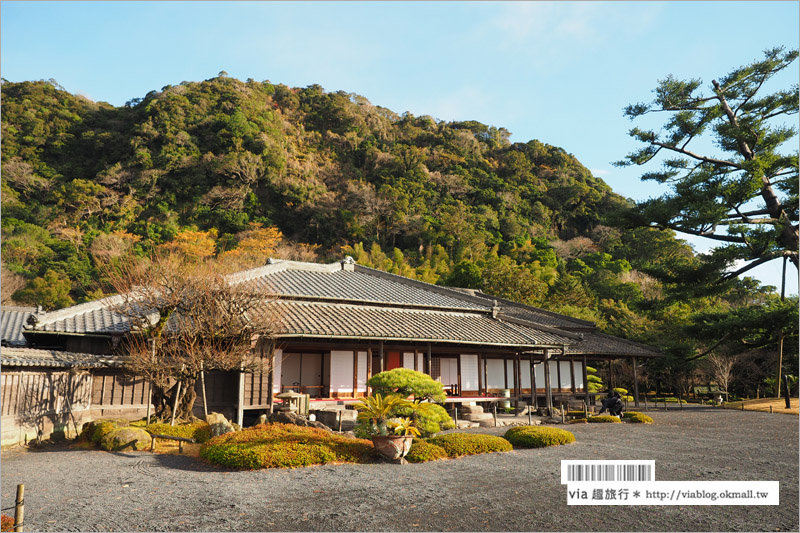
238	169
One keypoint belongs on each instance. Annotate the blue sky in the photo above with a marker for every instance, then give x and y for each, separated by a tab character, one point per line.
560	72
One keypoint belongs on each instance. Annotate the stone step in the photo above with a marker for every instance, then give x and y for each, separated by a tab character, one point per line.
471	409
477	416
465	424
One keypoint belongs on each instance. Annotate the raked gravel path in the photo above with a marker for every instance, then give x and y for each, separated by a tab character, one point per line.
78	490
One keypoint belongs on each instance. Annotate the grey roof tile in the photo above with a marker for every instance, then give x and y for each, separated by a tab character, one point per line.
597	343
12	318
340	320
32	357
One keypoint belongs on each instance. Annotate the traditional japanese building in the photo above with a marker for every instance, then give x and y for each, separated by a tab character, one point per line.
335	326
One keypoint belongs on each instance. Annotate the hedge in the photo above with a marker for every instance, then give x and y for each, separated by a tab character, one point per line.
637	418
199	431
604	419
458	444
537	436
285	446
423	451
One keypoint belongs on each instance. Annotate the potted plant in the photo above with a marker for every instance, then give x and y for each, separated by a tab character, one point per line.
391	435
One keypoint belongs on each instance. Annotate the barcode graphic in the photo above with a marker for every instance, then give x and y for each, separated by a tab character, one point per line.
575	471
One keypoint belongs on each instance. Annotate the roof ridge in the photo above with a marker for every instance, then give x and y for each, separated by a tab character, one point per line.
281	265
445	291
382	306
528	324
539	310
69	312
628	341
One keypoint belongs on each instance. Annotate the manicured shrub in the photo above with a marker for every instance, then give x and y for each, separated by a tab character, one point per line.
431	418
285	446
637	418
578	421
537	436
458	444
200	431
127	438
407	382
422	451
600	419
6	523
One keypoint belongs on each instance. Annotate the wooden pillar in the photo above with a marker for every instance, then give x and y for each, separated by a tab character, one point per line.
271	381
572	376
355	373
533	382
585	381
458	381
547	389
558	373
486	375
480	376
505	372
381	356
240	406
428	360
369	368
416	359
635	384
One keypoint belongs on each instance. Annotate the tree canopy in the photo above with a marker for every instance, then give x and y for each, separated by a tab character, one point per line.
744	195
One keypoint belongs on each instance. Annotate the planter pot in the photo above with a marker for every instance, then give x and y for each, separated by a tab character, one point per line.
393	447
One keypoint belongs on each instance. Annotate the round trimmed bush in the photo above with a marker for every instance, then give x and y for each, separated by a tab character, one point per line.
600	419
637	418
537	436
422	452
285	446
578	421
127	438
458	444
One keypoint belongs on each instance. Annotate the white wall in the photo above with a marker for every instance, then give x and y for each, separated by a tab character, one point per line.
276	372
496	374
408	360
362	372
553	374
342	371
469	372
566	377
525	370
578	367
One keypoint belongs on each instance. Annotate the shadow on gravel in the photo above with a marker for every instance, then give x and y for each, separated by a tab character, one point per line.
188	463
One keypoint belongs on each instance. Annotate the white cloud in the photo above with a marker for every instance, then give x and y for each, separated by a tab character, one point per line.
599	172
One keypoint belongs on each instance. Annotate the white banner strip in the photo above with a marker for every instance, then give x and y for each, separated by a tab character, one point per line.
573	471
673	493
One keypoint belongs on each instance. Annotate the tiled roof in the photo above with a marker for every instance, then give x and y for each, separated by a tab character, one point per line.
596	343
90	317
537	315
12	319
359	285
345	300
336	320
28	357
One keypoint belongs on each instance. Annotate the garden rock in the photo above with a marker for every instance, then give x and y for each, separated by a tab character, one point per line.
126	438
219	424
288	417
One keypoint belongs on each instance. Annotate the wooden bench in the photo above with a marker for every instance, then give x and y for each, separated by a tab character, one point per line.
180	440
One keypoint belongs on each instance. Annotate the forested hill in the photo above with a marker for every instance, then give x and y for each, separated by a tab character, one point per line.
326	168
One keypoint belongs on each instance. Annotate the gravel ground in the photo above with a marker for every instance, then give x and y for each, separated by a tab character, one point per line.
77	490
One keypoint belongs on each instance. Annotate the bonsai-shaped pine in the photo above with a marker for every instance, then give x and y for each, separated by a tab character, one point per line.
407	382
